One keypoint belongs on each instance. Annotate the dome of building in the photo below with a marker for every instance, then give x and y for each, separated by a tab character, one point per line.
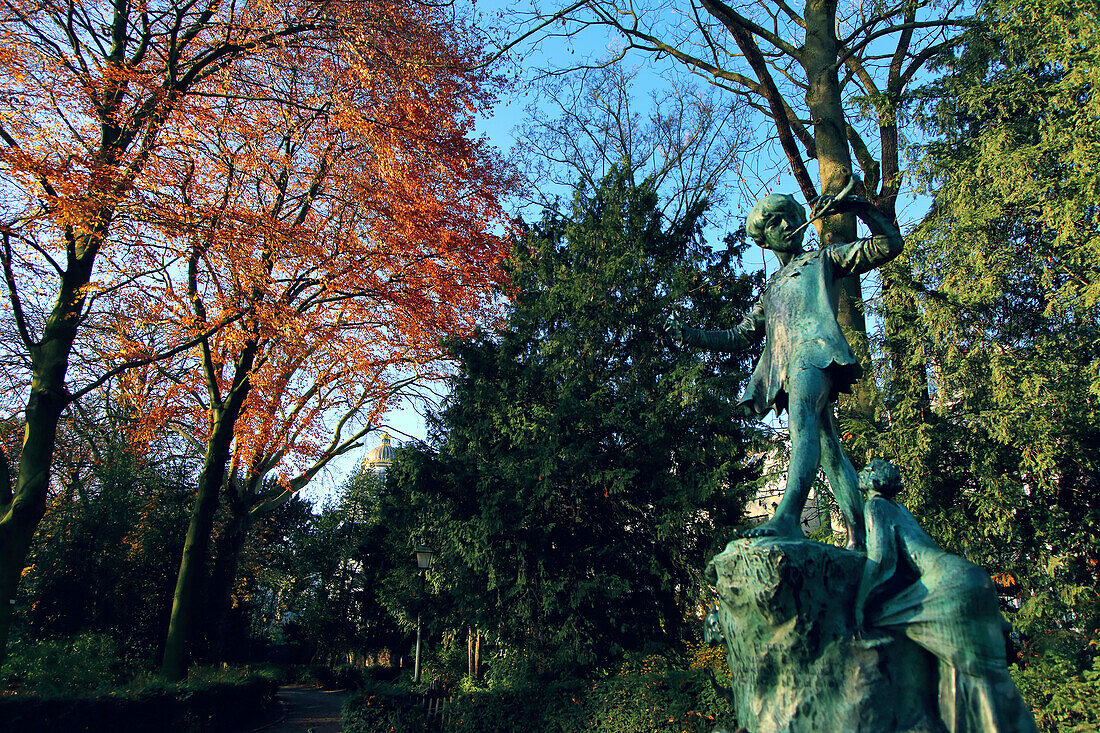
379	459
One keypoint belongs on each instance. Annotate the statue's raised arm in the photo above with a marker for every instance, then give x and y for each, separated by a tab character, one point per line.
864	255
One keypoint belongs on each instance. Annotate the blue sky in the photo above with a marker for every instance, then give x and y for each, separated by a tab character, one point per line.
514	109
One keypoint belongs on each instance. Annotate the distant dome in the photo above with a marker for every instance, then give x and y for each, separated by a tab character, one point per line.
380	458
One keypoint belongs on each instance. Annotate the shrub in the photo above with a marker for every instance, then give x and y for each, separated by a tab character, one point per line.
81	683
381	674
546	708
510	667
676	701
668	701
348	677
468	684
345	676
85	663
310	674
383	707
1063	696
709	656
196	706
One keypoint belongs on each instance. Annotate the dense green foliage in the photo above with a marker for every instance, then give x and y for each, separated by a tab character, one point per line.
339	581
105	556
1004	467
1063	692
84	663
998	304
586	468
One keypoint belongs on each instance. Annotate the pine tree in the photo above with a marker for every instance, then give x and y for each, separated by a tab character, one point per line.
1005	469
592	467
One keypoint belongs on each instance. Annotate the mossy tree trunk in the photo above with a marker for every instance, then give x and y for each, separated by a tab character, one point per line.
23	503
196	548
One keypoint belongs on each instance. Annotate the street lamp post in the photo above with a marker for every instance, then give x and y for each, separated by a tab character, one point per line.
424	557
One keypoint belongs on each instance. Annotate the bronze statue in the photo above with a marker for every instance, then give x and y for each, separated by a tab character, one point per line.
943	603
806	360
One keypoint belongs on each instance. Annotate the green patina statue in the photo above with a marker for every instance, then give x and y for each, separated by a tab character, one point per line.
943	603
907	637
806	360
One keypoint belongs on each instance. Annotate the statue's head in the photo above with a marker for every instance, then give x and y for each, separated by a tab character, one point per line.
882	477
776	223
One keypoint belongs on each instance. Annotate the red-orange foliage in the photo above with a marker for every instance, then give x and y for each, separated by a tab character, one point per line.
102	99
172	166
353	229
349	222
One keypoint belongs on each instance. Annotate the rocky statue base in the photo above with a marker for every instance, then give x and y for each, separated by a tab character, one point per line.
797	661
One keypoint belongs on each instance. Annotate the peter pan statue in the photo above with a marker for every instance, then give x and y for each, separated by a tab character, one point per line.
806	360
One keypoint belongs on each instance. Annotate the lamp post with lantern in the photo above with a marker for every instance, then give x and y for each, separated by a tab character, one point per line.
424	557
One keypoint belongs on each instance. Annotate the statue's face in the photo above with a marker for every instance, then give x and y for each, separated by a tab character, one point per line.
780	235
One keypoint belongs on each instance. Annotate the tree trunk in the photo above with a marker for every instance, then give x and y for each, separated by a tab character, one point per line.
24	512
227	557
834	165
477	654
196	546
860	403
196	549
470	653
23	505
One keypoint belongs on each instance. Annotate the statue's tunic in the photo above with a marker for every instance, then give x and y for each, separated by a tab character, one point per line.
797	313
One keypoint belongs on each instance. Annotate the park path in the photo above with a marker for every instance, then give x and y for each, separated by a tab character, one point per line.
309	708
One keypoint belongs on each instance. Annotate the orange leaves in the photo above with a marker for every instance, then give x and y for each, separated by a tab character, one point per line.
339	203
302	171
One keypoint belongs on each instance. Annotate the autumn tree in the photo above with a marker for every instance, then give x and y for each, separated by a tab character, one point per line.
95	96
354	230
91	90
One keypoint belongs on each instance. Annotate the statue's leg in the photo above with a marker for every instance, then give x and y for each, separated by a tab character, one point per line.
843	480
808	388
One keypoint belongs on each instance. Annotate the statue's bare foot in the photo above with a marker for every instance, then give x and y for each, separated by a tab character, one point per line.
856	546
776	527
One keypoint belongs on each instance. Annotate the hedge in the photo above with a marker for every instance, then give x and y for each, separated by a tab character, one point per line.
204	707
674	702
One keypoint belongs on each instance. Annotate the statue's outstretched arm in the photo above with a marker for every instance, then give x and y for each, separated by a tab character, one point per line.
735	339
